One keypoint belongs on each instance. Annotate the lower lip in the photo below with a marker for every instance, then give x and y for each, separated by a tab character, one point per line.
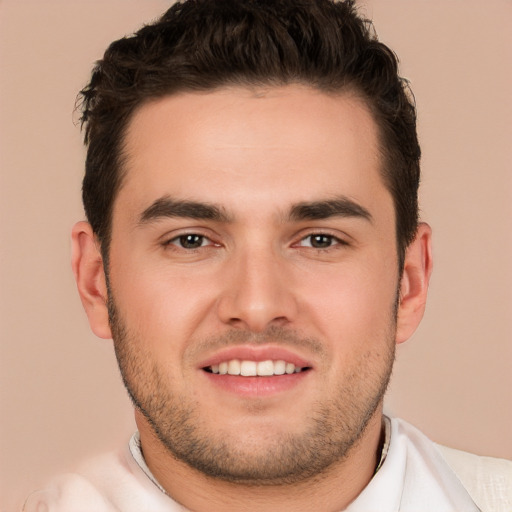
257	386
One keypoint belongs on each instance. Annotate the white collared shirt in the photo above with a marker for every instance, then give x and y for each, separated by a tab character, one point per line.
415	476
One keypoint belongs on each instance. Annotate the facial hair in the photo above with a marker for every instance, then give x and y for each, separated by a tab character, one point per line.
331	429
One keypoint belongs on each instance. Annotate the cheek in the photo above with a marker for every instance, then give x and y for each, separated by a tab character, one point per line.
354	305
161	306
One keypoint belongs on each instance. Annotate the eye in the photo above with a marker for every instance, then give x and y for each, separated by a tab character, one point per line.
190	241
320	241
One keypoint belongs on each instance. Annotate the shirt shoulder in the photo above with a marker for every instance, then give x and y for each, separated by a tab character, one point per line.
488	480
413	477
69	492
109	483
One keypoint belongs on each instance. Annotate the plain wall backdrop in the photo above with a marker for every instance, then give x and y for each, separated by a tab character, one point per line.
61	398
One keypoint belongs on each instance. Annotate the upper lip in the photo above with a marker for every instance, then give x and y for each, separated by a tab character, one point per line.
256	353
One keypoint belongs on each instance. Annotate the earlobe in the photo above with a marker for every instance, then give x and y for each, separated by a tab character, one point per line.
87	264
414	283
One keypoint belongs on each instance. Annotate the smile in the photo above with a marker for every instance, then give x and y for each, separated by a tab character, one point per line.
247	368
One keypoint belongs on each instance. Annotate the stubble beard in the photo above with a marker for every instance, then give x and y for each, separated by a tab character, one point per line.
331	429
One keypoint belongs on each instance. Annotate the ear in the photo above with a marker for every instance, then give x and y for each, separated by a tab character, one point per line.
414	283
87	264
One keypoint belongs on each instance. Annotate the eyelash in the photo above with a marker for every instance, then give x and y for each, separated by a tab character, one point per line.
179	241
333	241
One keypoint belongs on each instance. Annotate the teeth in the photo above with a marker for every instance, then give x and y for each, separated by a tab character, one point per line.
255	368
279	367
249	368
234	367
265	368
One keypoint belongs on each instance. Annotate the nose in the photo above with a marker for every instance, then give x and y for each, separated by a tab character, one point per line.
257	292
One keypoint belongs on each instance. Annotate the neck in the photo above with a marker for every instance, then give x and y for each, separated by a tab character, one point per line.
334	489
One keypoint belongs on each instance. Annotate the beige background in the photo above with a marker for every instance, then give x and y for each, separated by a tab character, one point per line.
60	394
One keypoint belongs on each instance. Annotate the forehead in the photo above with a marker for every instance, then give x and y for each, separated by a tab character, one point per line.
242	147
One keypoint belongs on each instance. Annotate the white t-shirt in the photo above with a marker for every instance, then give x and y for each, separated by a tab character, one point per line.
415	476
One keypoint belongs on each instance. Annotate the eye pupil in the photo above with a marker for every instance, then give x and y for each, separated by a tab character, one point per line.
191	241
321	241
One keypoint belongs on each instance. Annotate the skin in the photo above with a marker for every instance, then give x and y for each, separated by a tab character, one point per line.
256	283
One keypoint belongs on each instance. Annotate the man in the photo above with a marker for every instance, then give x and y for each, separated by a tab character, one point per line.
254	251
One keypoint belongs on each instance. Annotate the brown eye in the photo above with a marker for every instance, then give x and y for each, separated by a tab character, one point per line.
190	241
319	241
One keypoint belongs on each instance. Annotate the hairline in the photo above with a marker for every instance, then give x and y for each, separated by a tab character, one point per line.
348	89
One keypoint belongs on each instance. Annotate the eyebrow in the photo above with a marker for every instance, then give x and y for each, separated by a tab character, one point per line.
166	207
338	207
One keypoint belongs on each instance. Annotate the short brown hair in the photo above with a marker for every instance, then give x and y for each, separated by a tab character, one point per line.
200	45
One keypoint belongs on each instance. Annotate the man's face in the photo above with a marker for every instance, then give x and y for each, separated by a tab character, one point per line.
253	234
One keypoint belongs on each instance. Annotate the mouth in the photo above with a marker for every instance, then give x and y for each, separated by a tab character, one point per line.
257	371
250	368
